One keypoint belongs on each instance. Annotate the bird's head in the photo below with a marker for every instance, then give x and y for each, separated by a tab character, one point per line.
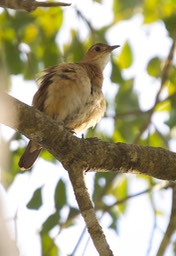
99	54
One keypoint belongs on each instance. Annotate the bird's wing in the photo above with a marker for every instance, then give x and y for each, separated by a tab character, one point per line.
63	90
44	81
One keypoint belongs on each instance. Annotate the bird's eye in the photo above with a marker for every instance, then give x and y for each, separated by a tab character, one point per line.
97	49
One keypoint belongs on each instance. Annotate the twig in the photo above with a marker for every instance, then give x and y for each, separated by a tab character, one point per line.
29	5
154	224
157	187
79	242
171	227
164	77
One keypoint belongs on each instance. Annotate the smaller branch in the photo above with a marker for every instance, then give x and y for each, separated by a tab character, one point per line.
79	13
153	206
76	176
168	63
29	5
164	77
170	229
157	187
138	112
79	241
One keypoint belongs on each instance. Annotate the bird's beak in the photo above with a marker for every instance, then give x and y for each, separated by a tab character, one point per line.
111	48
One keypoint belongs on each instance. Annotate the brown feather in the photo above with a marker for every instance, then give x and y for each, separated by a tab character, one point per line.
29	156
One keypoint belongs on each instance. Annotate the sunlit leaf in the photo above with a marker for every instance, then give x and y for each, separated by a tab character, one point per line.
156	139
30	33
49	20
36	201
172	78
116	75
123	9
125	58
154	67
113	212
60	195
119	191
48	246
47	156
101	186
163	106
50	222
150	11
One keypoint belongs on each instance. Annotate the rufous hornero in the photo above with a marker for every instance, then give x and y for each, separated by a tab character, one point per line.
71	93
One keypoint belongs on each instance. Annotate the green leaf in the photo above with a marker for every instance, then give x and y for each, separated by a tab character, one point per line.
170	23
116	75
73	213
113	212
125	59
48	246
124	9
119	191
172	77
171	122
36	200
15	64
50	222
102	182
126	99
154	67
163	106
60	195
151	11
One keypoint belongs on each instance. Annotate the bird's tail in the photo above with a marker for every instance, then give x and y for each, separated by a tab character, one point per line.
29	156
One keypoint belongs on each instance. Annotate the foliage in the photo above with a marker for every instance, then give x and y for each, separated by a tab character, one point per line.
30	42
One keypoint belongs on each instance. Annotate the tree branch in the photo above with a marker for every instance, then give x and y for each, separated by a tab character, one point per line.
86	207
171	227
164	77
29	5
92	153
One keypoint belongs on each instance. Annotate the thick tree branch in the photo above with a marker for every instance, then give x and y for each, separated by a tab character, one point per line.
29	5
94	154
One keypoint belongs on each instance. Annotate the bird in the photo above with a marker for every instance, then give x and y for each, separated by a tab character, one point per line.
71	93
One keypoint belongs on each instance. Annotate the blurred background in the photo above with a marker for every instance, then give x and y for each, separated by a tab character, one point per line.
136	212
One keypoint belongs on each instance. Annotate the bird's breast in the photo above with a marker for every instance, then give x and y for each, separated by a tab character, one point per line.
74	96
89	114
